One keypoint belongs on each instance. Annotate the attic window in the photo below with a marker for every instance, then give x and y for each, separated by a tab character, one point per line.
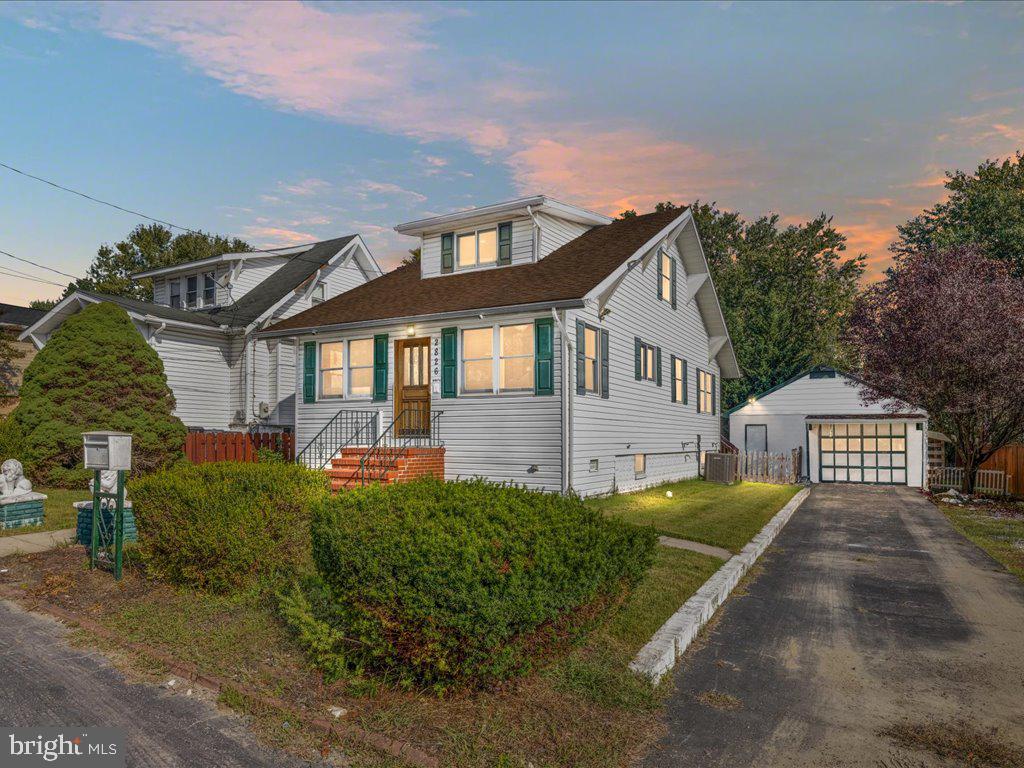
209	289
192	291
475	248
319	293
823	373
175	286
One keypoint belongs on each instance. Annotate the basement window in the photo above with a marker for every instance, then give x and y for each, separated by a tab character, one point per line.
639	464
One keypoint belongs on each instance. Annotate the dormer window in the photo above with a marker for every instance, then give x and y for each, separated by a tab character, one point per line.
476	248
319	295
175	286
192	291
209	289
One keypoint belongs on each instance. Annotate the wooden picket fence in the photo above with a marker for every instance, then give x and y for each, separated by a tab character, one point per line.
205	447
994	482
1009	459
766	467
755	466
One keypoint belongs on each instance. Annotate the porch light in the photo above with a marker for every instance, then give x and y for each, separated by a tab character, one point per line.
410	331
668	494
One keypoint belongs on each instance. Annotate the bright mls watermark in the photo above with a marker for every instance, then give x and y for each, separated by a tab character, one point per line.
79	747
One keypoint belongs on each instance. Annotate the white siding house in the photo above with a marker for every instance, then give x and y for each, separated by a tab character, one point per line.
550	336
203	323
843	439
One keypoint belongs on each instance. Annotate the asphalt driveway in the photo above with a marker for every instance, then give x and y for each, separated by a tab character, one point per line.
46	682
869	611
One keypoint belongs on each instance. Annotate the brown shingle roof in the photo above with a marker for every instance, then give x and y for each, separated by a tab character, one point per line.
570	272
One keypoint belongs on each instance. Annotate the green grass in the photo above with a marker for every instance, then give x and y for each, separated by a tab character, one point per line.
1001	537
58	511
721	515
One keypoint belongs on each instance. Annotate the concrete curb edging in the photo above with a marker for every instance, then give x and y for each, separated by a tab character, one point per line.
671	641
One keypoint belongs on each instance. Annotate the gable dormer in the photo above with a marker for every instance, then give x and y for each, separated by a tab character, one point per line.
500	235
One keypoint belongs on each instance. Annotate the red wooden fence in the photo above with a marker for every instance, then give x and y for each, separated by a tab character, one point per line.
204	447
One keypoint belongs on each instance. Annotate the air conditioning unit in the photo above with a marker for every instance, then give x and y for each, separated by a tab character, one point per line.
264	410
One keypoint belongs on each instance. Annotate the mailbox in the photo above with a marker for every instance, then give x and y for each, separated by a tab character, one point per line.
108	450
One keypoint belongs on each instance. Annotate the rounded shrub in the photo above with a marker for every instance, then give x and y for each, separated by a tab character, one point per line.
226	527
436	583
95	372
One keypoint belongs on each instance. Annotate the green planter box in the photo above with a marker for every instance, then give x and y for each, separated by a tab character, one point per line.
18	514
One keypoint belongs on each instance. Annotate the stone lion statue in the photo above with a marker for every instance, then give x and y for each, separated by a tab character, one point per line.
12	479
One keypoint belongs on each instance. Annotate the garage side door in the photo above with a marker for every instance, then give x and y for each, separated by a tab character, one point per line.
864	453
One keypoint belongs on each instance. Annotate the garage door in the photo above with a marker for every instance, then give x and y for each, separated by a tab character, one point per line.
864	453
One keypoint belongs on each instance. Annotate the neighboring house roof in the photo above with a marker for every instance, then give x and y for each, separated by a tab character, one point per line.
266	295
183	266
252	306
568	273
523	206
13	316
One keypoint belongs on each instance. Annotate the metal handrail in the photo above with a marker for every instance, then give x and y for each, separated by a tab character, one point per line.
340	432
403	432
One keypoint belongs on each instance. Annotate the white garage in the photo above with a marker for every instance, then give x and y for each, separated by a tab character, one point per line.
843	440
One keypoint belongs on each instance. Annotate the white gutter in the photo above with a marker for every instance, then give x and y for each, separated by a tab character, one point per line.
535	255
566	402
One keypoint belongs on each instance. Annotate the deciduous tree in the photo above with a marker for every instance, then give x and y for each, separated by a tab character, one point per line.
945	332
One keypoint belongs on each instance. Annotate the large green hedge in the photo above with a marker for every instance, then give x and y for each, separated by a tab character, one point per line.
95	372
435	583
226	527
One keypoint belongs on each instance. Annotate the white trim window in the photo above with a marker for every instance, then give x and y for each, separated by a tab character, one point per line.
192	291
319	295
591	360
209	289
665	289
476	248
705	392
332	369
648	362
360	368
639	465
498	358
174	287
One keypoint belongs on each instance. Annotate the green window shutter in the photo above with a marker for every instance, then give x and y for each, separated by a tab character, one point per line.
544	356
686	383
605	353
449	361
505	243
637	353
657	364
672	366
447	251
380	366
581	360
309	372
673	277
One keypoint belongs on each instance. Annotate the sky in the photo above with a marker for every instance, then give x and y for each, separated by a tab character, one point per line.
284	123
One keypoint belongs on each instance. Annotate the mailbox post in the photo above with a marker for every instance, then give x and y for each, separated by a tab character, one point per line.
107	453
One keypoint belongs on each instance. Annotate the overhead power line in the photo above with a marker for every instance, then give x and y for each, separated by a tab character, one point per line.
25	276
41	266
99	201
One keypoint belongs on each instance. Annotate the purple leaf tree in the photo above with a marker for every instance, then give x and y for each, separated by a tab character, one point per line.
945	332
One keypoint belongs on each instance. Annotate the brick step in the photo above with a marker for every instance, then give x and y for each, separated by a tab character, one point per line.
374	461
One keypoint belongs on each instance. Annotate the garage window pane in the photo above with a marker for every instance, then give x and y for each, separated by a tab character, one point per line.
899	475
870	459
827	431
841	476
870	475
828	444
841	460
855	476
884	476
828	474
899	429
899	460
840	429
885	459
884	444
899	444
869	429
883	429
854	444
870	444
840	443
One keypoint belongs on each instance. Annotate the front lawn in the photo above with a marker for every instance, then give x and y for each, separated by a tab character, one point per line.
996	527
58	512
721	515
584	709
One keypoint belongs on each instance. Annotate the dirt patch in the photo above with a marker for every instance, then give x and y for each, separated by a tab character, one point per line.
719	700
958	740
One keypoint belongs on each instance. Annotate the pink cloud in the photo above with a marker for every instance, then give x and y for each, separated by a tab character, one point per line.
614	170
267	236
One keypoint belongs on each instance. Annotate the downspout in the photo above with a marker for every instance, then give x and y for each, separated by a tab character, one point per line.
536	233
559	318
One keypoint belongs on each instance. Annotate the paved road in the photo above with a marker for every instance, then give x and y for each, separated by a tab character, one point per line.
46	682
869	609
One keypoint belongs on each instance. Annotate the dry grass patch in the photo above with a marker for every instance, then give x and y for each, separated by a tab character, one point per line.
958	740
719	700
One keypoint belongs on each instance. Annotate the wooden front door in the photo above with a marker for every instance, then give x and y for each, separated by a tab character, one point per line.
412	386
